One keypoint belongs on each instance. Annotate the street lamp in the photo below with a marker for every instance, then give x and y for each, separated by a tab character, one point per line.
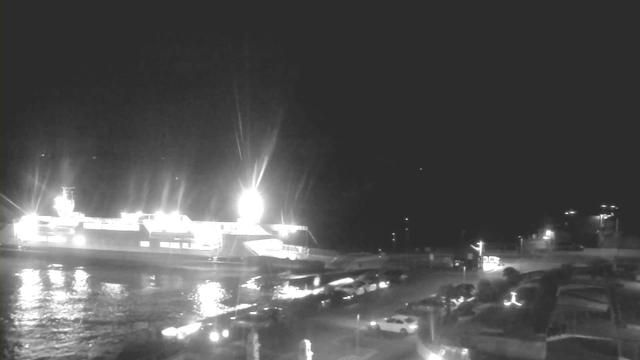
250	206
393	239
479	249
406	229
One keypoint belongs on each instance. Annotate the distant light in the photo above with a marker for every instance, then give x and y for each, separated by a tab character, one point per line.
420	168
225	333
406	219
373	323
79	240
176	178
94	157
604	206
548	233
42	155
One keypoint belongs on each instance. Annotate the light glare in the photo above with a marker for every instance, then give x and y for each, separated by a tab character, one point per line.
79	240
250	206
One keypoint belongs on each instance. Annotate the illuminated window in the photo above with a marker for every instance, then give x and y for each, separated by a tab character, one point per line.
175	245
185	245
164	244
144	244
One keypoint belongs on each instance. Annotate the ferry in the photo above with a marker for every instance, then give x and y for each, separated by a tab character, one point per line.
167	239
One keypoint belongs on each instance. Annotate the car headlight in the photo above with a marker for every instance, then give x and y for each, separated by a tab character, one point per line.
225	333
170	332
383	284
214	336
413	326
373	323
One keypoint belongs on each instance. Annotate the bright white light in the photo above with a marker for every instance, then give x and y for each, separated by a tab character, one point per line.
214	336
548	233
383	284
170	332
27	227
344	281
79	240
250	206
209	298
413	326
373	323
63	205
225	333
512	301
434	356
292	292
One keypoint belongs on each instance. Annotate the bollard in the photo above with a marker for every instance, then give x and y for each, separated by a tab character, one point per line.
305	352
253	346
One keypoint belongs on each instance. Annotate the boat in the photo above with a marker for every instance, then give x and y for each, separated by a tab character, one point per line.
167	239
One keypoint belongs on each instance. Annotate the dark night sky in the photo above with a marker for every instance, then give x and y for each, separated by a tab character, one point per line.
511	114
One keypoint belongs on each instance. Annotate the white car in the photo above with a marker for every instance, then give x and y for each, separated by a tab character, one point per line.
401	324
351	289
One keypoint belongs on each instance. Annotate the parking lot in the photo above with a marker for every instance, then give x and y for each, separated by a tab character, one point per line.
341	330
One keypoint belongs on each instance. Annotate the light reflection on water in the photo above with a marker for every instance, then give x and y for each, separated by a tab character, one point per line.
81	313
209	297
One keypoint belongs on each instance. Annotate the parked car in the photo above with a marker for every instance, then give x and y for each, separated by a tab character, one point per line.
263	318
373	279
351	289
368	285
402	324
466	290
208	333
331	299
431	305
568	246
393	276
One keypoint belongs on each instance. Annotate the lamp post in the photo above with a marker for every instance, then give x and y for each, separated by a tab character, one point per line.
408	235
393	240
521	243
479	249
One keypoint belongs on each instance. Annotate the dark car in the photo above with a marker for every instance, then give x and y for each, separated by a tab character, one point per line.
568	247
430	305
467	291
262	318
206	333
393	276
